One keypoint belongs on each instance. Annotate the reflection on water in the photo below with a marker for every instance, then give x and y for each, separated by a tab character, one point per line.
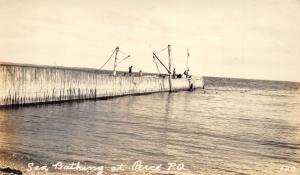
229	129
8	135
8	140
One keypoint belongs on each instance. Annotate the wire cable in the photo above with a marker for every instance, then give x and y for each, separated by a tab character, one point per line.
161	50
156	66
124	53
108	59
124	59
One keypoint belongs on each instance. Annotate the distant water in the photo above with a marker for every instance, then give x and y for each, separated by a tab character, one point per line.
233	127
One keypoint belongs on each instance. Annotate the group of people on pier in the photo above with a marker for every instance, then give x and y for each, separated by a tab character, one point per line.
186	73
130	71
174	75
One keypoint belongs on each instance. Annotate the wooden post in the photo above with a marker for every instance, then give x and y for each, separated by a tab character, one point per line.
170	68
116	61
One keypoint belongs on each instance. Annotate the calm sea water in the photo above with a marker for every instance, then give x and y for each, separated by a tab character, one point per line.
233	127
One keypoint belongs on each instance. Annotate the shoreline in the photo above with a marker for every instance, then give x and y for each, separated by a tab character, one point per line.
12	163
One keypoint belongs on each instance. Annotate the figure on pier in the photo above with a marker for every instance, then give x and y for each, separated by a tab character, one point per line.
174	73
130	70
186	73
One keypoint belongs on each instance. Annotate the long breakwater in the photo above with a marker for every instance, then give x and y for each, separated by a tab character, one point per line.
22	84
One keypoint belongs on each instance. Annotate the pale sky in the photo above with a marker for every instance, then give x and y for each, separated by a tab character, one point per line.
229	38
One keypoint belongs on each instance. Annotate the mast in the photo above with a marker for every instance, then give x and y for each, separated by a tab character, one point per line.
116	61
187	58
170	67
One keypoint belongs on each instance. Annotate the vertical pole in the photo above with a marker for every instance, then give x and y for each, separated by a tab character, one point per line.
187	58
116	61
170	67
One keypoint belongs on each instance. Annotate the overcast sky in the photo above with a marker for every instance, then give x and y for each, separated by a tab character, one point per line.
230	38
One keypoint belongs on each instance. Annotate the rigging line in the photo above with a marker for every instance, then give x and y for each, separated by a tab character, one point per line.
172	63
156	65
123	52
169	71
125	58
161	50
108	59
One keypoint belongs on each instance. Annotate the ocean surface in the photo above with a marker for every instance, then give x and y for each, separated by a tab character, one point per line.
233	126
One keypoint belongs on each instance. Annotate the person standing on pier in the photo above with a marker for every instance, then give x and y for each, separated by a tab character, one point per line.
186	73
174	73
130	70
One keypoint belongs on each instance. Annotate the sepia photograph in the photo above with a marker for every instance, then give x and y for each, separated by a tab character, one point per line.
149	87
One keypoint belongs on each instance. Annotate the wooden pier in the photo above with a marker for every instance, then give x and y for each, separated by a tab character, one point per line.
22	84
